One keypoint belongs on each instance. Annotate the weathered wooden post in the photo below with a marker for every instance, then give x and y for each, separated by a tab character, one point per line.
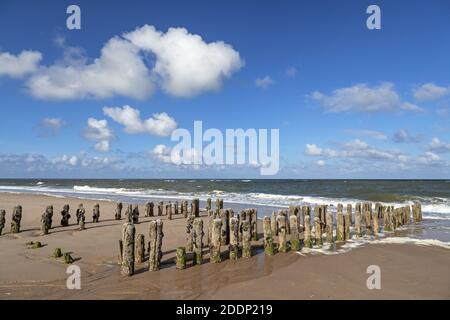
140	248
181	258
45	222
306	211
307	237
195	207
268	240
329	228
176	209
375	223
149	209
246	240
285	213
340	231
198	241
65	215
136	214
358	209
2	220
128	232
96	213
254	224
358	232
347	224
234	238
407	214
215	241
118	213
368	221
282	243
208	204
219	205
294	226
224	232
120	251
190	233
160	208
318	231
242	218
129	213
155	244
274	225
184	208
350	214
169	211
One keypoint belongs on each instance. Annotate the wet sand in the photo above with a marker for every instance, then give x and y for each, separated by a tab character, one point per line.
407	271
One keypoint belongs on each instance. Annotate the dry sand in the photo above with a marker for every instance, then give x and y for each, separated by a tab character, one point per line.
407	271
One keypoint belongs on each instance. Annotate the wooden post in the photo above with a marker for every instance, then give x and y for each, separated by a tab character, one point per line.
347	223
358	232
149	209
254	224
128	232
2	220
385	216
307	240
268	240
273	224
215	241
306	211
208	204
140	248
224	232
246	240
135	214
155	244
295	240
181	258
118	213
242	218
318	231
96	213
120	251
195	207
190	233
160	208
329	228
16	218
340	231
375	223
282	244
368	221
234	238
169	211
198	241
350	214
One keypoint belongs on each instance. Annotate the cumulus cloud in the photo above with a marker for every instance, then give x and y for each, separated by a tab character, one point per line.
320	163
264	82
403	136
98	130
164	154
119	70
362	98
430	91
185	64
160	124
430	158
438	146
17	66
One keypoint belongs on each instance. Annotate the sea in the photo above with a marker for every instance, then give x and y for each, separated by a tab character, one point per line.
265	195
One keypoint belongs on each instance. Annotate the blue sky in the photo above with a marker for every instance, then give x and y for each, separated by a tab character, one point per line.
349	102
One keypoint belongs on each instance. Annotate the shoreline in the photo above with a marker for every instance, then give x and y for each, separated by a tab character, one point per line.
409	271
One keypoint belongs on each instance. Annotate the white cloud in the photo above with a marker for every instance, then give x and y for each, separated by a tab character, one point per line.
313	150
403	136
430	91
320	163
438	146
49	126
119	70
361	98
430	158
160	124
264	82
164	154
17	66
184	62
98	130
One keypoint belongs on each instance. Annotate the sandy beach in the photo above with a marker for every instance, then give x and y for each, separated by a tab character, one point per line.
407	271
